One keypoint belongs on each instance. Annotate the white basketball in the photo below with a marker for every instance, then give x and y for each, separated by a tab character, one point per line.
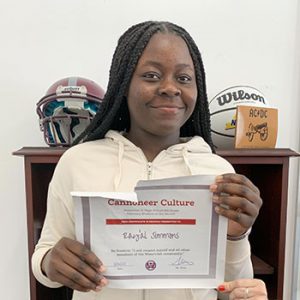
223	112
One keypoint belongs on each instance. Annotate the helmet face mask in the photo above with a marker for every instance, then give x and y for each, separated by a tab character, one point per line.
67	109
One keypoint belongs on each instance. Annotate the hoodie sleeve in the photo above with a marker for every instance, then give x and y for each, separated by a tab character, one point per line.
238	262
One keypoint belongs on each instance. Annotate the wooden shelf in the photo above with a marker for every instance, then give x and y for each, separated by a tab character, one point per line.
260	267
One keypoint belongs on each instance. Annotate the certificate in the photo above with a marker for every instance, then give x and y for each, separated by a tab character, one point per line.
165	234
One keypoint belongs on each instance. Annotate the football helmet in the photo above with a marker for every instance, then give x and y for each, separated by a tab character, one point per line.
67	109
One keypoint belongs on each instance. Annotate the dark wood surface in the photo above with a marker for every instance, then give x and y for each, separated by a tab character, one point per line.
58	151
267	168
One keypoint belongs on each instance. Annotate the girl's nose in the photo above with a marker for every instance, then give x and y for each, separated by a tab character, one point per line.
169	88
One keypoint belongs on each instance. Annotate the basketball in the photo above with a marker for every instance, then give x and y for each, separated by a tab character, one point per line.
223	112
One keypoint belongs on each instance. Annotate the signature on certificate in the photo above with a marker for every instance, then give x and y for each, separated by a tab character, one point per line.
180	261
120	264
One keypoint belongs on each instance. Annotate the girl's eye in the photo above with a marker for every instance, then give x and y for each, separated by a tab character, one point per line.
152	76
184	79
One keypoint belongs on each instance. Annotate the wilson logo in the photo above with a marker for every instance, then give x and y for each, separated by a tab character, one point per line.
239	95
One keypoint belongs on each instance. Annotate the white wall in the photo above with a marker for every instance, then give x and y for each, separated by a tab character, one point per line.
249	42
296	237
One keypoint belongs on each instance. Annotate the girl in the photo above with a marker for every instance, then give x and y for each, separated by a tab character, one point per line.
154	123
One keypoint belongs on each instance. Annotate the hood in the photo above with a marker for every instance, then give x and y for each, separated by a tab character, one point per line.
195	144
184	149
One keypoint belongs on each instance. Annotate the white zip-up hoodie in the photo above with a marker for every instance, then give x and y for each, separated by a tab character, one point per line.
114	164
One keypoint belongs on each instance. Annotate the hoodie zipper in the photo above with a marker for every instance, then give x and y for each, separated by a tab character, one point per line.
149	170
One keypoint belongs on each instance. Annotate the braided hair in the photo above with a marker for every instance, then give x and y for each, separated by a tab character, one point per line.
114	113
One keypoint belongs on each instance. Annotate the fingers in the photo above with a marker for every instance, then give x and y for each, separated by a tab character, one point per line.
239	179
254	289
239	185
79	271
237	209
242	283
236	198
85	255
72	264
75	280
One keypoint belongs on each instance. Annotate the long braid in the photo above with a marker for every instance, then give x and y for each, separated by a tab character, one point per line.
113	113
199	122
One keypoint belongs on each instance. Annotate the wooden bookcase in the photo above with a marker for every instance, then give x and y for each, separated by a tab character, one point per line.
267	168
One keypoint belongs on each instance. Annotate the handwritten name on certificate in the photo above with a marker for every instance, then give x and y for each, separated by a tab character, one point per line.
165	234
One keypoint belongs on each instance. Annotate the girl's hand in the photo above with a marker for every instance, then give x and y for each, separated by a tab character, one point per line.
75	266
238	199
240	289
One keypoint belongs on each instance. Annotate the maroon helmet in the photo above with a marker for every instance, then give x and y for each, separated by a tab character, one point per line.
68	108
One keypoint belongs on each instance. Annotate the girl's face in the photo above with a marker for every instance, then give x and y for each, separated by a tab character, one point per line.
163	91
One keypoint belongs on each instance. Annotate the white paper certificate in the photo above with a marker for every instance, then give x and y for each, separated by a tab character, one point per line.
165	235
